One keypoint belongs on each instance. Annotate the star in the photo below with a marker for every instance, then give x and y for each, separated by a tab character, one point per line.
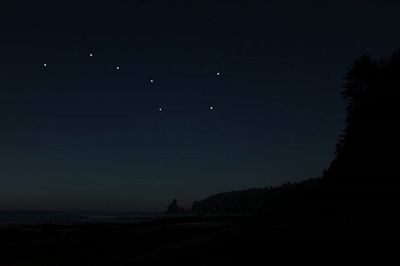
211	107
45	65
218	74
160	109
90	54
151	81
117	67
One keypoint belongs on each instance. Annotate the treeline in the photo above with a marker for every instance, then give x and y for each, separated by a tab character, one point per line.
283	200
363	179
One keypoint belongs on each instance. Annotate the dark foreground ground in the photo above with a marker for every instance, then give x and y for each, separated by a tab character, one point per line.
200	241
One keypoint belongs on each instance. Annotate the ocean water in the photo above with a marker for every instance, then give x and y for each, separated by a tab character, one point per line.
54	217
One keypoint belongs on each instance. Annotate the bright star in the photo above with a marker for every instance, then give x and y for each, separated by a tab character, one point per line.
211	107
45	65
90	54
218	73
152	81
160	109
117	67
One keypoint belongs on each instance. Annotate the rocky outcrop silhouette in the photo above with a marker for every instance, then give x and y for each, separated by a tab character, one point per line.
174	207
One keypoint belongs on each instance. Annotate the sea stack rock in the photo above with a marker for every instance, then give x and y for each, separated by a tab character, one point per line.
174	207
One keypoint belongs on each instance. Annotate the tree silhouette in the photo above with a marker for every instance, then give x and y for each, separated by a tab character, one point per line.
363	180
367	151
364	176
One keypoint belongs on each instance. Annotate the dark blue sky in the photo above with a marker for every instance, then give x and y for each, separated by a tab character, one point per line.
81	135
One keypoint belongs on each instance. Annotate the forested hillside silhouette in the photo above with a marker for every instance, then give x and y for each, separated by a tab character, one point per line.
363	180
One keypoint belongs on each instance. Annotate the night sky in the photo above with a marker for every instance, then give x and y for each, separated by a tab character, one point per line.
249	93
